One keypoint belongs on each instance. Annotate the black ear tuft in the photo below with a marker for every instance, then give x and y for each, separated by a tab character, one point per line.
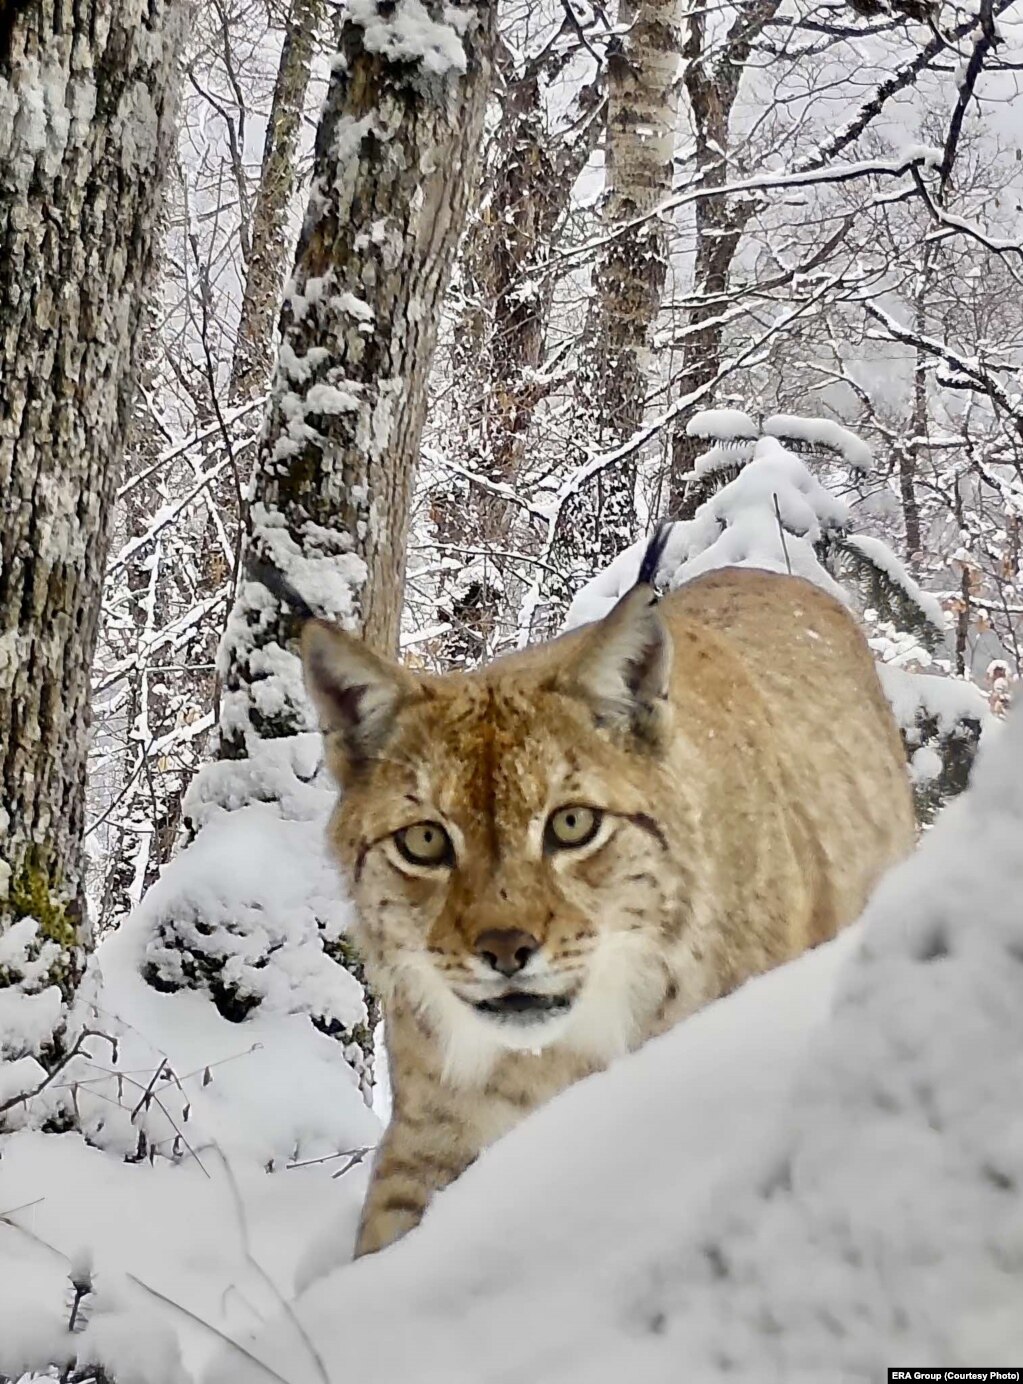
278	585
651	562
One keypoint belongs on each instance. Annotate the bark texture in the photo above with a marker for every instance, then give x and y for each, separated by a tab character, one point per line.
712	76
85	137
395	153
642	76
269	246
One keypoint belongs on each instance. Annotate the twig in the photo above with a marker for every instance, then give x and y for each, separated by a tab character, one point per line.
573	21
160	1297
781	531
215	1330
26	1096
25	1206
357	1157
256	1266
985	43
356	1154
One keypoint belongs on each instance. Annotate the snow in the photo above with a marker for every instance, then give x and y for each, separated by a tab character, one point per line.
741	525
261	934
27	1021
329	398
168	1230
726	424
820	432
925	765
408	33
355	307
246	1123
948	700
22	952
722	457
813	1179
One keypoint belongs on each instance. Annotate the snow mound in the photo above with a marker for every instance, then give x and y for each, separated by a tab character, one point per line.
770	516
258	943
772	1190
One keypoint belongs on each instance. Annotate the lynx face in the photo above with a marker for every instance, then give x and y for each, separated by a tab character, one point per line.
510	881
562	855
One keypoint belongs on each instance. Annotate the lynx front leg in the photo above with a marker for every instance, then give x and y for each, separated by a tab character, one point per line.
420	1154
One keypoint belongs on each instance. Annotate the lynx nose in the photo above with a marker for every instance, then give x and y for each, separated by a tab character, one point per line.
506	949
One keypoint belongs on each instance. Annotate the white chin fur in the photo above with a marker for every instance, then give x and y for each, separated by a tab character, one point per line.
622	990
624	985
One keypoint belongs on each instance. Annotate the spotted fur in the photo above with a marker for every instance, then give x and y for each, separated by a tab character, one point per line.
752	788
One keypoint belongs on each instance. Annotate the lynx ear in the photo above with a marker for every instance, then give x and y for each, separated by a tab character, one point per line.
624	666
356	692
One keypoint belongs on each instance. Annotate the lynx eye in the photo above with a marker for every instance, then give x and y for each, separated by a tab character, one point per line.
425	843
571	827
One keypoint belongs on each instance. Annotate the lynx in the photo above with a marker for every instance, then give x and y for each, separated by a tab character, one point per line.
562	854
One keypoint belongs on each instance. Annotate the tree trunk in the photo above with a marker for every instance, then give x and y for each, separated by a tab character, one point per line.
499	347
394	156
269	251
629	278
85	139
712	84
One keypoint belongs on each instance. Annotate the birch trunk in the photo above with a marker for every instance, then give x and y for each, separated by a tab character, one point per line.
85	138
642	78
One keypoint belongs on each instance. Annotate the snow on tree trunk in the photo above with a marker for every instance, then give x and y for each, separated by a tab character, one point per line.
642	80
85	137
394	155
270	250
